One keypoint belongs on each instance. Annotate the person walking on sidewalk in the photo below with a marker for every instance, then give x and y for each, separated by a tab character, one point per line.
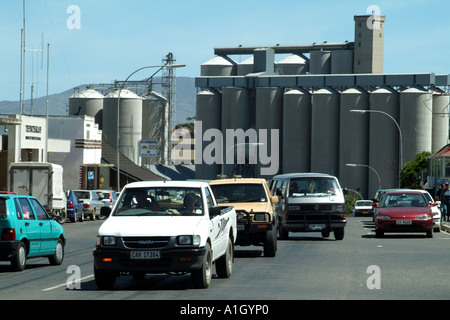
445	202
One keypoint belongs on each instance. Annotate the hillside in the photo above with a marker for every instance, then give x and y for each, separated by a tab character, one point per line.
59	103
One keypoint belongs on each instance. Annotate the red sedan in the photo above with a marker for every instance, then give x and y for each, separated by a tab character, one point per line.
404	211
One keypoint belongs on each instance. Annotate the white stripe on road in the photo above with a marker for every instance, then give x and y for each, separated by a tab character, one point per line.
65	284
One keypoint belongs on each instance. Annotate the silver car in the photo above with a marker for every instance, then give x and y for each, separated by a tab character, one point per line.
108	197
91	202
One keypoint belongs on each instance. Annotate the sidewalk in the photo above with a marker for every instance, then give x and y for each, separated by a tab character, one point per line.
445	226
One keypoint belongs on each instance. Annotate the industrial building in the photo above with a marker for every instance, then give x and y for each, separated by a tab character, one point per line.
310	96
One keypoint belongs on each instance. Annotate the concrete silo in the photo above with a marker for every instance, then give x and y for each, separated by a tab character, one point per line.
154	124
354	140
293	64
268	124
416	107
384	138
208	116
218	66
320	62
245	67
87	102
440	120
325	131
237	114
130	122
296	131
342	61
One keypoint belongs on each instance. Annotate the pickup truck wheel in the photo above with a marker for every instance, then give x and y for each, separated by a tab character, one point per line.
104	279
339	234
284	233
270	243
201	278
224	265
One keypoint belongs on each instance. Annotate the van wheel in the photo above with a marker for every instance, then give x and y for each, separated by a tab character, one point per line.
201	278
224	265
20	260
284	233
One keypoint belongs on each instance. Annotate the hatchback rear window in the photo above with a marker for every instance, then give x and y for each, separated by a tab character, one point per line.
3	211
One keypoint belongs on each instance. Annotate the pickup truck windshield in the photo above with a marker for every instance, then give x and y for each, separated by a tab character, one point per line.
231	193
312	187
159	201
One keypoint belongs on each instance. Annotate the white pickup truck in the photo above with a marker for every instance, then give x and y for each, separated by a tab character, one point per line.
165	227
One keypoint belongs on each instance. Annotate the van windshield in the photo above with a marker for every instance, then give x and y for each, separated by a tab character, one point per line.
313	187
157	201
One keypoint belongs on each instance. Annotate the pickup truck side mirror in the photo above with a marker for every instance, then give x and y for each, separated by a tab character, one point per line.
214	212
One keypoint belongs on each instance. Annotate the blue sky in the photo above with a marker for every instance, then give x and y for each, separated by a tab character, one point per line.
114	38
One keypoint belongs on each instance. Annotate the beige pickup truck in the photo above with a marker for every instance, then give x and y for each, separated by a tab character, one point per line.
257	223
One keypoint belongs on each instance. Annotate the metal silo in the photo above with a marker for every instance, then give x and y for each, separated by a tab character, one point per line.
416	107
236	114
130	122
325	131
154	124
384	138
218	66
320	62
296	131
342	61
354	140
87	102
293	65
440	120
208	115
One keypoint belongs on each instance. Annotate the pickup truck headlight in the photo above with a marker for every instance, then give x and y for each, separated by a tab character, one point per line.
188	240
106	241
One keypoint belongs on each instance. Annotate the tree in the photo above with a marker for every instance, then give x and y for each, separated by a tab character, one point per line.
409	176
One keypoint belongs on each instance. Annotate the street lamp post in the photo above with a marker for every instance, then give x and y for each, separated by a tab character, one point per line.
118	107
364	165
399	133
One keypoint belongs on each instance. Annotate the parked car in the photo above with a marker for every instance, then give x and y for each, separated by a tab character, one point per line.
108	197
91	203
28	231
403	211
75	210
363	208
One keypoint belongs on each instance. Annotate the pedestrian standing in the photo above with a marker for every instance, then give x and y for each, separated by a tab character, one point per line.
445	202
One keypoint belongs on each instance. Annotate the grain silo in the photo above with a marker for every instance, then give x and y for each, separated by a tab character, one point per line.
208	115
87	102
245	67
154	124
293	64
354	139
342	61
320	62
236	115
130	122
384	138
268	124
218	66
296	131
440	121
325	131
416	107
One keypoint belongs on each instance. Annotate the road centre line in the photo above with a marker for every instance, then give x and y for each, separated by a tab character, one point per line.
65	284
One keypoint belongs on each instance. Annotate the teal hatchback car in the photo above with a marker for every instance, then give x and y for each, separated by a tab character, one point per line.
28	231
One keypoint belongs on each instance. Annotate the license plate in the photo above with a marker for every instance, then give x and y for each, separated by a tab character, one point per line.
407	222
365	212
316	226
145	255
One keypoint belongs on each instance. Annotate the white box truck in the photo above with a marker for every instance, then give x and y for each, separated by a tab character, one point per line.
42	180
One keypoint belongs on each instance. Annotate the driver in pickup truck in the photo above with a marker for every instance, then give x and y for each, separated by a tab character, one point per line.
142	201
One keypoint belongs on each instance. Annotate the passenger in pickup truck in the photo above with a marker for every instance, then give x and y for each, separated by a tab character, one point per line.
190	203
142	201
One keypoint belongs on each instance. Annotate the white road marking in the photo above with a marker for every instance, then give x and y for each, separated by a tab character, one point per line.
65	284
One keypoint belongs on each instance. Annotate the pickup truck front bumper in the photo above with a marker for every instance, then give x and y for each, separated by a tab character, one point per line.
170	260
